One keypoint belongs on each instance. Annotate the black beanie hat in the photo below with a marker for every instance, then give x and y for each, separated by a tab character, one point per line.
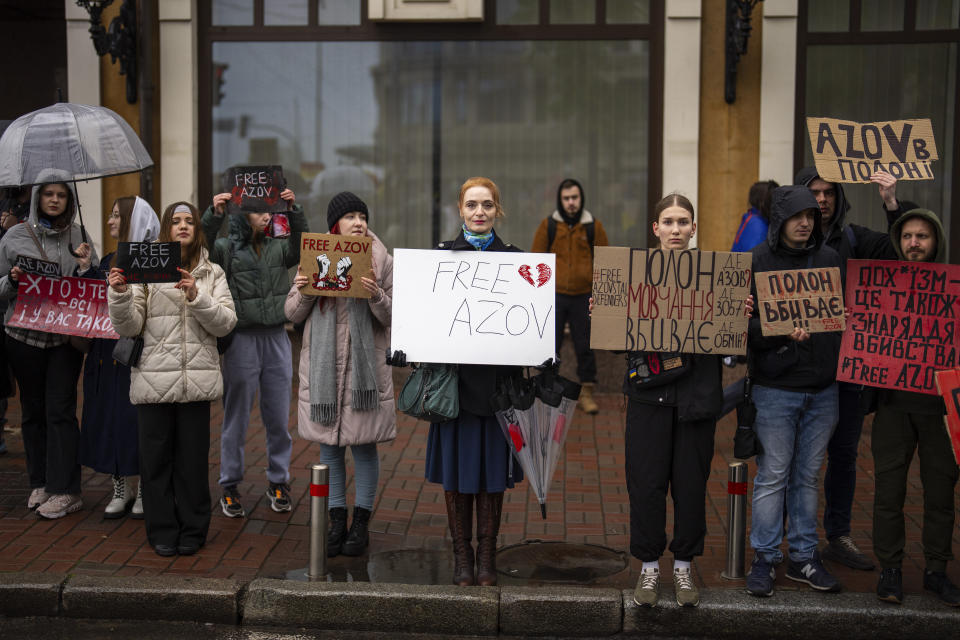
342	204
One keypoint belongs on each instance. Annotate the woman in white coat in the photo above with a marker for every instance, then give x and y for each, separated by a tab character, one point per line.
177	376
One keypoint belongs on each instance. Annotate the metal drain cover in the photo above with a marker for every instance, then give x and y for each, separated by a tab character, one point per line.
548	561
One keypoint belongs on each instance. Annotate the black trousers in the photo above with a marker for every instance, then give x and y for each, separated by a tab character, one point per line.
576	311
174	470
48	402
662	452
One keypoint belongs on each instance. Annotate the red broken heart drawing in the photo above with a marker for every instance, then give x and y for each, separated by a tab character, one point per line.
543	274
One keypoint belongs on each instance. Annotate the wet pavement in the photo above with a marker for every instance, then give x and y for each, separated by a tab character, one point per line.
587	507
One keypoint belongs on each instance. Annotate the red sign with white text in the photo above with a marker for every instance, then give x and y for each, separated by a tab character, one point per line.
903	326
948	383
71	306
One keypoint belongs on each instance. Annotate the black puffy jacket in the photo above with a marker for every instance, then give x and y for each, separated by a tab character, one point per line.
778	361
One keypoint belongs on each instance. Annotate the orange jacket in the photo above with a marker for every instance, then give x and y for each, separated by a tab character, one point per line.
574	257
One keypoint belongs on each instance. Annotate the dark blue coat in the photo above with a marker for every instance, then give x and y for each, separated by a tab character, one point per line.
108	430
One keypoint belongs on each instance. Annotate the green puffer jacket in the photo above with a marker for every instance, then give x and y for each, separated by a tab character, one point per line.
259	284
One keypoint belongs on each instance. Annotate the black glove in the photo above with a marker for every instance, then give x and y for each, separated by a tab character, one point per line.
397	358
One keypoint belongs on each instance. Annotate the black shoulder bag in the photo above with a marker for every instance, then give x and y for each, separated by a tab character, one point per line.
127	350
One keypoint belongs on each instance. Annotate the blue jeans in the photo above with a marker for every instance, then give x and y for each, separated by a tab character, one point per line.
366	474
794	429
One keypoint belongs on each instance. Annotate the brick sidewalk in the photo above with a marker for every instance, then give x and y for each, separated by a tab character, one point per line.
588	504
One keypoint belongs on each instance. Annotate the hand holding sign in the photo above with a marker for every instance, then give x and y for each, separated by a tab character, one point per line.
149	262
255	189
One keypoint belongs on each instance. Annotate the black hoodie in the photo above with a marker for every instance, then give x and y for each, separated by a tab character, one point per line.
777	361
852	241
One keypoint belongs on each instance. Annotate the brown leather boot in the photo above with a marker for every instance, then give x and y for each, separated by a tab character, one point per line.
489	507
587	403
460	519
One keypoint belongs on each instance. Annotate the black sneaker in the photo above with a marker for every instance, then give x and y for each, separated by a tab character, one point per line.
279	495
939	583
811	572
761	577
890	587
842	549
230	503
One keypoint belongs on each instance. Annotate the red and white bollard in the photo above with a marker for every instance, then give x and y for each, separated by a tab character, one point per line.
736	519
319	495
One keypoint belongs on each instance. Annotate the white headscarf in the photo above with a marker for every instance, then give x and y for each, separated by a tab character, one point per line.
144	224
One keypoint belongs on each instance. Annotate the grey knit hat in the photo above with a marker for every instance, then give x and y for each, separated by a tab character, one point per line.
342	204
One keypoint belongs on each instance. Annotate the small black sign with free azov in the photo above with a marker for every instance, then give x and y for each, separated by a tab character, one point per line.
38	267
149	262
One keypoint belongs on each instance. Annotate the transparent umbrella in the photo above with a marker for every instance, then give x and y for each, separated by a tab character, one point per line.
76	141
534	416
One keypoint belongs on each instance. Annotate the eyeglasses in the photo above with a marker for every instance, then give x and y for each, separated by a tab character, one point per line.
488	206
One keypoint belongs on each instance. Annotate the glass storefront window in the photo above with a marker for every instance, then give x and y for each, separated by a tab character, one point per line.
828	15
882	15
285	12
573	12
344	13
938	14
868	83
395	121
628	11
516	12
232	13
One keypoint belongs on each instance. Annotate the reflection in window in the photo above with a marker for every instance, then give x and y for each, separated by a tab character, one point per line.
518	12
893	82
628	11
338	12
938	14
232	13
828	15
284	12
573	12
882	15
363	116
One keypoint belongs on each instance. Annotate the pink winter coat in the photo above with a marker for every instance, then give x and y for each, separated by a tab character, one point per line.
351	427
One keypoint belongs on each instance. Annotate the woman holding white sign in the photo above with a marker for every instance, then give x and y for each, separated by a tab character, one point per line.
469	455
47	365
174	381
346	387
673	404
108	435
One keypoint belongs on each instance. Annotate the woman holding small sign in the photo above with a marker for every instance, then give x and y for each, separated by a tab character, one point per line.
346	387
469	455
174	381
46	365
108	434
673	404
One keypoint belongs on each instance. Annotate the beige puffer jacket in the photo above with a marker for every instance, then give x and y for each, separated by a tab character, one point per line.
179	362
351	427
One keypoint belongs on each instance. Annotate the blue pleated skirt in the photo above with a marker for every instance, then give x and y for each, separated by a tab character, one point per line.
470	455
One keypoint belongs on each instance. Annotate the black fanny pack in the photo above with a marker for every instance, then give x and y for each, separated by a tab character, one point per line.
652	369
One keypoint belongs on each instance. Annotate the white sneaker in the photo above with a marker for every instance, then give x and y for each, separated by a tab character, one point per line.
137	511
37	497
122	497
59	505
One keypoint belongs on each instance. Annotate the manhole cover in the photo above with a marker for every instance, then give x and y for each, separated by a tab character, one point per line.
559	561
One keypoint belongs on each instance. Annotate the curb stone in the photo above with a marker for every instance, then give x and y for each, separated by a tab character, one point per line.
372	607
790	614
153	598
30	594
560	611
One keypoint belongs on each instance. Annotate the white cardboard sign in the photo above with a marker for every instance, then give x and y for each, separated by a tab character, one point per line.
474	307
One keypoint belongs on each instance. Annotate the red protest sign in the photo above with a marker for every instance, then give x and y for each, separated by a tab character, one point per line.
903	326
948	384
72	306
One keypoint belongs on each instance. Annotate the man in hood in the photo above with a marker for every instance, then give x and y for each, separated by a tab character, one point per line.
850	241
795	393
908	422
572	232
